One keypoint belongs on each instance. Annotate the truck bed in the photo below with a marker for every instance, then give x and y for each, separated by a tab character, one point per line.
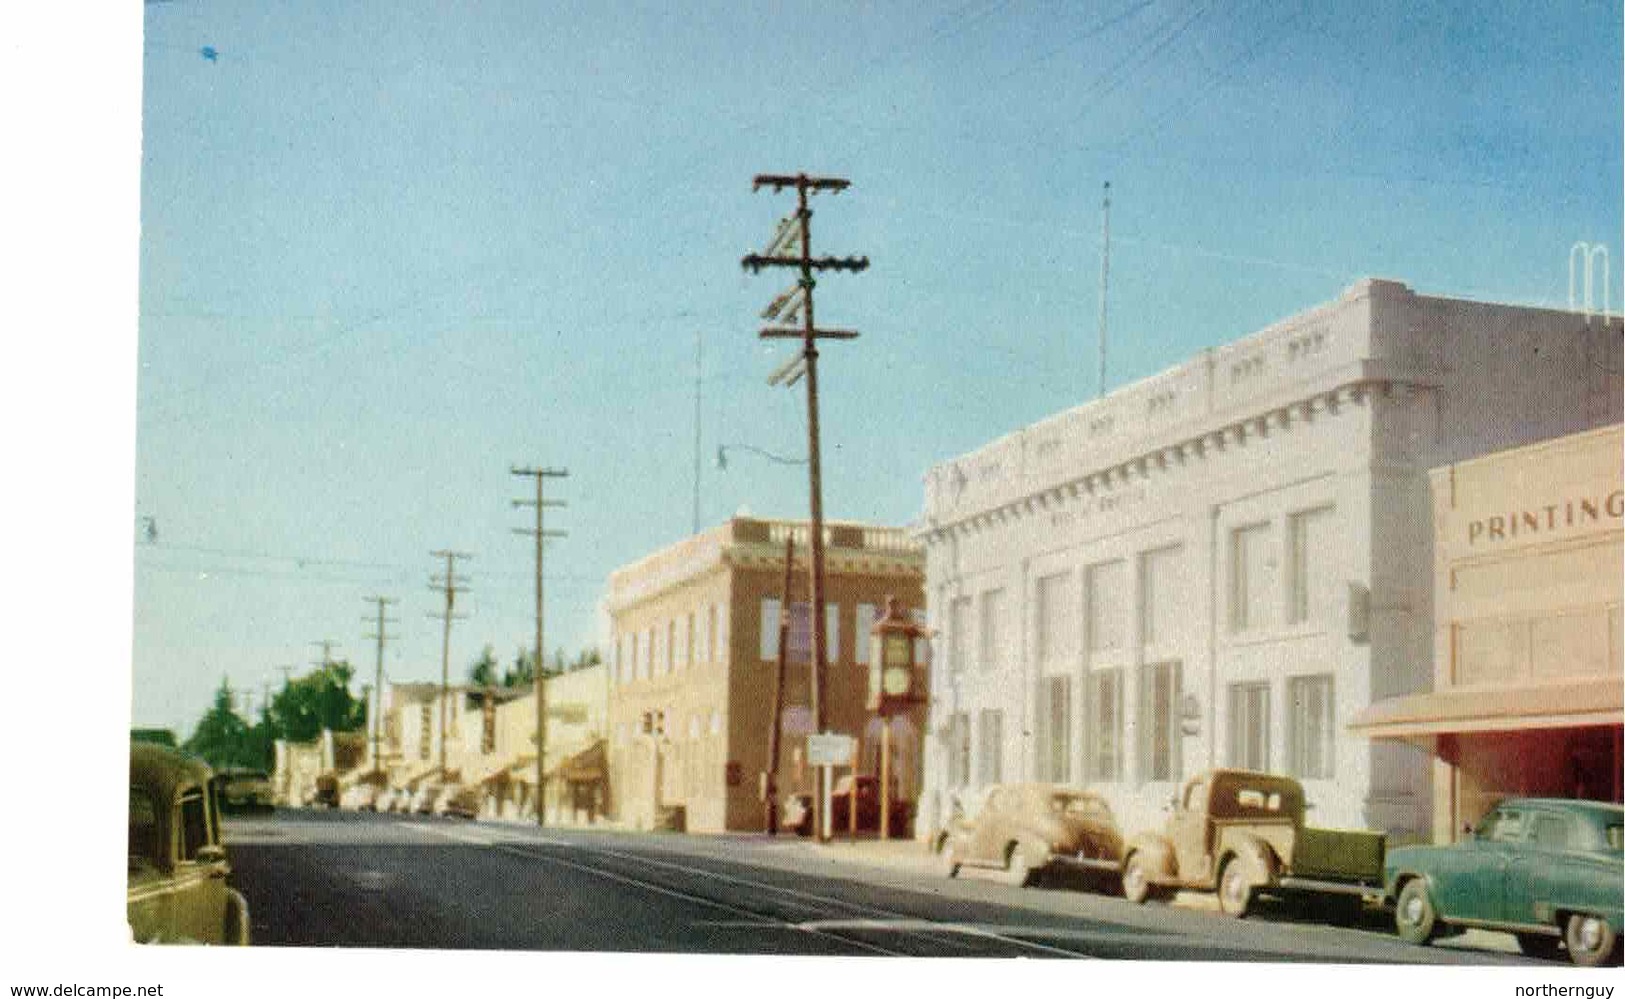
1350	855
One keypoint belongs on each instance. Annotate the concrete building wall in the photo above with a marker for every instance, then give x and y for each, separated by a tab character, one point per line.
1275	491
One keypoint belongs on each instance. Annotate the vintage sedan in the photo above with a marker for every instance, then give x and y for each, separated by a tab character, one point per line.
1546	870
1023	830
246	791
177	890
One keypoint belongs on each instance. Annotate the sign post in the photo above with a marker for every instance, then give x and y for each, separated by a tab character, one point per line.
828	750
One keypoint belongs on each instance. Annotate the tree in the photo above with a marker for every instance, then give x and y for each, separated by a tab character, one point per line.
523	671
221	737
319	700
484	671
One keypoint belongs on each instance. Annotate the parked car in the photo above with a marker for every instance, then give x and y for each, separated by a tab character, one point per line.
797	812
327	791
424	798
458	801
177	889
390	799
361	797
1546	870
1240	834
246	791
1024	830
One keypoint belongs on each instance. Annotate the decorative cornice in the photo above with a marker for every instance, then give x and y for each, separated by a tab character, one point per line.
1237	433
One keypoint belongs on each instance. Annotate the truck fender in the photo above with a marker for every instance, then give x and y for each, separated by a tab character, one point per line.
1259	857
1156	855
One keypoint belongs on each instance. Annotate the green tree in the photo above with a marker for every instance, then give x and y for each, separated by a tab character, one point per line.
523	671
484	671
319	700
221	736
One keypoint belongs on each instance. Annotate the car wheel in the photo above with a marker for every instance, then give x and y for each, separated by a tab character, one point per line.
1539	945
1590	940
1235	888
1414	918
1136	880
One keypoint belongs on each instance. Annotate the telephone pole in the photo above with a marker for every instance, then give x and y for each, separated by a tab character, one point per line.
541	503
1105	270
326	645
378	684
447	584
791	246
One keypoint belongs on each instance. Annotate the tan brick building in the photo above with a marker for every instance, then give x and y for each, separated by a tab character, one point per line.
694	640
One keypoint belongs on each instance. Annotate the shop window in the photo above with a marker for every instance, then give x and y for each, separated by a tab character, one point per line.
1106	707
1159	704
1250	726
990	748
1310	732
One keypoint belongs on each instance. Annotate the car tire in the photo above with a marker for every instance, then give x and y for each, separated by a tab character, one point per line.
1137	886
1591	941
1541	945
1235	888
1415	920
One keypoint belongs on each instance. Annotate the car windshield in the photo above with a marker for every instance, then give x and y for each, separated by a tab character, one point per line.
1077	804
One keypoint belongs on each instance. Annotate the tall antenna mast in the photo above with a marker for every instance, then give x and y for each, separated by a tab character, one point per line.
1105	270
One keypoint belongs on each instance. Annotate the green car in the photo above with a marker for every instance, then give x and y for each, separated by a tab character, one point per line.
178	868
1546	870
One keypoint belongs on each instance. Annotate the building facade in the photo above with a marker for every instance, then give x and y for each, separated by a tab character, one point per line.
694	647
1224	563
1527	684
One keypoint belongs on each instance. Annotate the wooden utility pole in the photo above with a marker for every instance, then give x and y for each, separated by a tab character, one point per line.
326	646
541	475
378	684
447	584
791	246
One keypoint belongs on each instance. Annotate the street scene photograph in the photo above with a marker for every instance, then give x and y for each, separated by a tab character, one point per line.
620	491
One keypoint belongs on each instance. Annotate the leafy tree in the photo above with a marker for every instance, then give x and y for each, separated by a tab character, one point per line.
484	671
320	699
221	736
523	671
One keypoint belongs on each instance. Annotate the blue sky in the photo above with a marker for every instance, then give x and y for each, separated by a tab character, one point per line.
389	249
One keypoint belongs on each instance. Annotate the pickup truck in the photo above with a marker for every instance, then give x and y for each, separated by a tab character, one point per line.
1241	834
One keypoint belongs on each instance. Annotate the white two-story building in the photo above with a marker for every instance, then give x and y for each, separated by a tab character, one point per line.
1223	564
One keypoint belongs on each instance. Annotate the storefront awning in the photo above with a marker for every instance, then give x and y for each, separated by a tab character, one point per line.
1574	703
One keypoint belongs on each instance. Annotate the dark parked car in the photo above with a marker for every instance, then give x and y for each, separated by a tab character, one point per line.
796	815
177	891
1546	870
1025	829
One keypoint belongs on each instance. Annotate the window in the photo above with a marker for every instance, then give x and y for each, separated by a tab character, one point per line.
687	658
1056	637
1503	826
1250	726
1249	577
650	651
863	622
990	748
709	654
1551	832
1106	697
1055	729
1105	606
194	824
716	721
1159	702
424	722
670	660
636	663
959	634
1159	598
1309	576
620	659
958	749
990	647
1309	727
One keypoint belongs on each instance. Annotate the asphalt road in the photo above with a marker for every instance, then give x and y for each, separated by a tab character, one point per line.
363	880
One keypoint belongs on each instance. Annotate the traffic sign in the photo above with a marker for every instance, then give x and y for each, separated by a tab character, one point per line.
830	749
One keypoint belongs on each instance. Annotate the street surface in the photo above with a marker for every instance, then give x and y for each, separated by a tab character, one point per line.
363	880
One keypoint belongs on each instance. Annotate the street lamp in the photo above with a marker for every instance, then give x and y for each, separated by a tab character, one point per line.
895	686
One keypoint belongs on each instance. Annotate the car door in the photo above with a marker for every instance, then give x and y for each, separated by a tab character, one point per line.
150	909
986	839
1471	883
200	895
1187	829
1533	871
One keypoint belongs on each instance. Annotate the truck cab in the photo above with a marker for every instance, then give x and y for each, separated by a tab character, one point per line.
1238	833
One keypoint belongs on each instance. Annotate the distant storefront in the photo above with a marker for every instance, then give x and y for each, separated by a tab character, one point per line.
1528	691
